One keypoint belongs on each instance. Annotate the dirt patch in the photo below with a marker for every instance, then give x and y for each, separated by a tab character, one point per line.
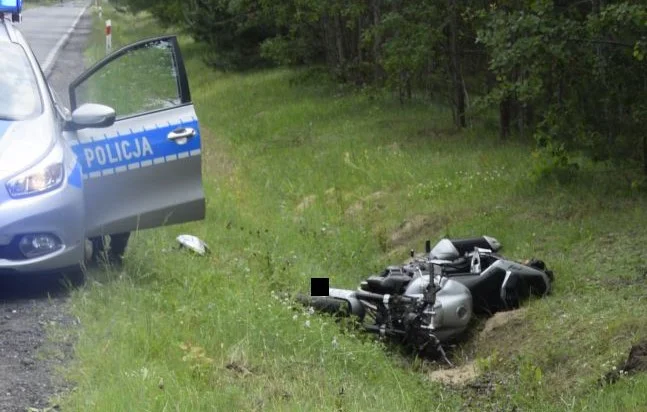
458	376
357	207
412	228
375	196
636	362
238	368
305	203
501	319
467	374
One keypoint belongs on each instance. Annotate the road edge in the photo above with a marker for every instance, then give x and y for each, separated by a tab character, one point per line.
48	65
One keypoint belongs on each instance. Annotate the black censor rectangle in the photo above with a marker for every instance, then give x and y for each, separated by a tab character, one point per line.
319	286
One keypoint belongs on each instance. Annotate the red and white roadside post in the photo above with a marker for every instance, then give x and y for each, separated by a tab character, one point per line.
108	36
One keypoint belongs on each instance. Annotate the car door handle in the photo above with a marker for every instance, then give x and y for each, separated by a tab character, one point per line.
181	135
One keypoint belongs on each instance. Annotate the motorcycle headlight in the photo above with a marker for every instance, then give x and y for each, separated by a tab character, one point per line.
47	175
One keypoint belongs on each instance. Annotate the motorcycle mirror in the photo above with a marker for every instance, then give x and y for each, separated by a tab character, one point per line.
193	243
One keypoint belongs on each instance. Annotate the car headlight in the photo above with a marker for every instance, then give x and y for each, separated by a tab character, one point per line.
47	175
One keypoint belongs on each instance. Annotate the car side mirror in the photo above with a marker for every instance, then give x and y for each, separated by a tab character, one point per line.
91	115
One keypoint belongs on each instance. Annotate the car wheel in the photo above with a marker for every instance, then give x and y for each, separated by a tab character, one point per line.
74	277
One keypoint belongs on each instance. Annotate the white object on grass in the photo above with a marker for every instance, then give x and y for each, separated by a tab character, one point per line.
193	243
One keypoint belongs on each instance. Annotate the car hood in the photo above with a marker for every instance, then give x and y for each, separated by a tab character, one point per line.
23	143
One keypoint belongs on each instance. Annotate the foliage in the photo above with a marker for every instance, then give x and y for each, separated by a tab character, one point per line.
234	29
572	73
578	69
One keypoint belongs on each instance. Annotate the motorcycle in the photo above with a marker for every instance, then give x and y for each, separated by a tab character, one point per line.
430	301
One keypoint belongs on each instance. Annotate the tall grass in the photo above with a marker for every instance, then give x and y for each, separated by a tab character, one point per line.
304	178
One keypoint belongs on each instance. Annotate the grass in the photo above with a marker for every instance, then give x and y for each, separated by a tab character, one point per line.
307	179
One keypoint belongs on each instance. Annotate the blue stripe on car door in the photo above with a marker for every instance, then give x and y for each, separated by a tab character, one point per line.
133	148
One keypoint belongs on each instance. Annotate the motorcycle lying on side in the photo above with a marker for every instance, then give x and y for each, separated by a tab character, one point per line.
430	300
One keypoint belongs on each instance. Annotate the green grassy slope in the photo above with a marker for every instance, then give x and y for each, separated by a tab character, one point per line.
306	179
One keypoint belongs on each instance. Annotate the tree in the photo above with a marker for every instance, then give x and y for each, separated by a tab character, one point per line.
573	73
577	66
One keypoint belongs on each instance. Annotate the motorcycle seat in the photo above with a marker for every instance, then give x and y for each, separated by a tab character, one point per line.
464	246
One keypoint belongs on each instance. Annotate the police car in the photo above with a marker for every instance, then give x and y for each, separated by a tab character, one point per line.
125	156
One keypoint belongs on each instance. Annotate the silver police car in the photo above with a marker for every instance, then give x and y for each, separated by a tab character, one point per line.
125	156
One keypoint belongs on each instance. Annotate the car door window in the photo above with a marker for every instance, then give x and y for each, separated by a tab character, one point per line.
142	80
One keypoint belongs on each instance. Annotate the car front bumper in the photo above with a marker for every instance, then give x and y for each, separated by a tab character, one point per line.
60	213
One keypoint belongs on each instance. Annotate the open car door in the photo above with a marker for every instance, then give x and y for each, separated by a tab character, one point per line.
144	170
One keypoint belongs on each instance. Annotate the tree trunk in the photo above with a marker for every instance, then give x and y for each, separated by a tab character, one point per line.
457	78
377	72
339	35
358	39
504	118
331	52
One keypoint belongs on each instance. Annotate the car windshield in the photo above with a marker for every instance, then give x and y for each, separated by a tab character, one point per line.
19	95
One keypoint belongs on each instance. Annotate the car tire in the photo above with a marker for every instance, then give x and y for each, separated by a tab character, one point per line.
74	277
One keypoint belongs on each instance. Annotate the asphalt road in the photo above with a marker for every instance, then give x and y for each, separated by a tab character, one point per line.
46	28
29	305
